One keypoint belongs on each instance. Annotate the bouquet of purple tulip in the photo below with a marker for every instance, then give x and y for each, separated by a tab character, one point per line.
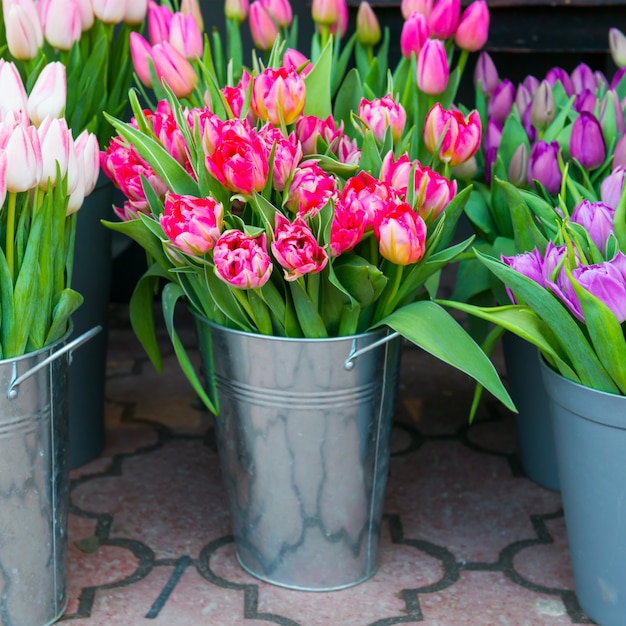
266	209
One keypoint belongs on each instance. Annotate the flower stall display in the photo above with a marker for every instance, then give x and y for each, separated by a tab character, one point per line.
45	174
299	227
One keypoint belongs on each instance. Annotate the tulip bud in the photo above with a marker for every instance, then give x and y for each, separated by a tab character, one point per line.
501	101
485	74
54	138
62	25
159	20
110	11
12	93
87	17
444	18
543	165
49	93
585	101
185	36
619	154
141	51
611	116
262	27
518	167
367	26
466	171
171	66
523	99
582	78
88	151
280	10
237	10
414	34
586	143
191	7
23	28
558	74
135	13
423	7
325	12
432	67
24	159
531	83
542	110
612	187
471	33
617	45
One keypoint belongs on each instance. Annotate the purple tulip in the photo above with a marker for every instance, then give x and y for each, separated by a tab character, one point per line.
523	98
605	282
556	279
531	131
619	261
617	77
558	74
619	153
582	78
601	79
486	74
586	143
518	167
531	83
491	154
543	166
612	186
527	263
597	219
542	109
585	101
501	101
493	135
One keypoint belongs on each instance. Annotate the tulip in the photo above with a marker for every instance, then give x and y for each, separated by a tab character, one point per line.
466	171
237	10
493	135
367	26
612	187
585	101
296	61
531	83
543	166
433	192
381	114
76	196
501	101
87	17
12	93
617	46
242	261
485	74
48	95
523	99
346	229
193	225
185	36
192	7
141	53
619	153
531	131
558	74
414	34
582	78
310	128
62	23
423	7
444	18
605	282
263	28
136	11
54	139
24	159
530	264
401	234
332	14
280	10
88	152
543	110
171	66
287	154
110	11
159	20
278	96
586	143
457	138
611	116
471	33
432	67
518	167
597	219
23	28
296	249
310	189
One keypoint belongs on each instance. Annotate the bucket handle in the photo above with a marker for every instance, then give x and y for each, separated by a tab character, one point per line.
348	364
12	391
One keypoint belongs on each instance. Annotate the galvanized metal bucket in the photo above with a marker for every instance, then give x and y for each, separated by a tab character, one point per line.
34	483
303	437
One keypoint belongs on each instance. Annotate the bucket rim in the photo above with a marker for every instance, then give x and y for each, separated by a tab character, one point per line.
40	351
379	332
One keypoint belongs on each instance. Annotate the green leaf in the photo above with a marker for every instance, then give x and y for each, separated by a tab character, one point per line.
432	328
318	85
479	214
309	318
6	299
66	303
138	231
347	100
364	281
170	296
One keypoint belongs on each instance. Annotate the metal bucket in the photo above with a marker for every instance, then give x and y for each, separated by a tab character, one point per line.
34	483
303	437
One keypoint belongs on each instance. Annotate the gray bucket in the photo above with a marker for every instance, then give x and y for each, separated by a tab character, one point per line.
590	436
303	437
34	484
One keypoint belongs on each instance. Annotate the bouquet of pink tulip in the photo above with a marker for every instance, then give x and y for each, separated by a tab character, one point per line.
91	39
44	176
264	215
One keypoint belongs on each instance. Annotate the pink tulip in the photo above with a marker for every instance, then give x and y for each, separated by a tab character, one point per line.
192	7
12	93
401	234
332	14
23	28
367	26
141	52
49	93
242	261
432	67
236	97
263	29
76	176
185	36
458	137
296	61
433	192
110	11
424	7
54	139
278	96
236	157
444	18
136	11
414	34
280	10
310	128
346	229
159	21
381	114
24	159
287	154
348	151
172	67
167	132
237	10
296	249
63	25
310	189
193	225
88	152
471	33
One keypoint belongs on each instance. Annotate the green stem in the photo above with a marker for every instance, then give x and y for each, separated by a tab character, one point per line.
10	236
386	303
462	62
